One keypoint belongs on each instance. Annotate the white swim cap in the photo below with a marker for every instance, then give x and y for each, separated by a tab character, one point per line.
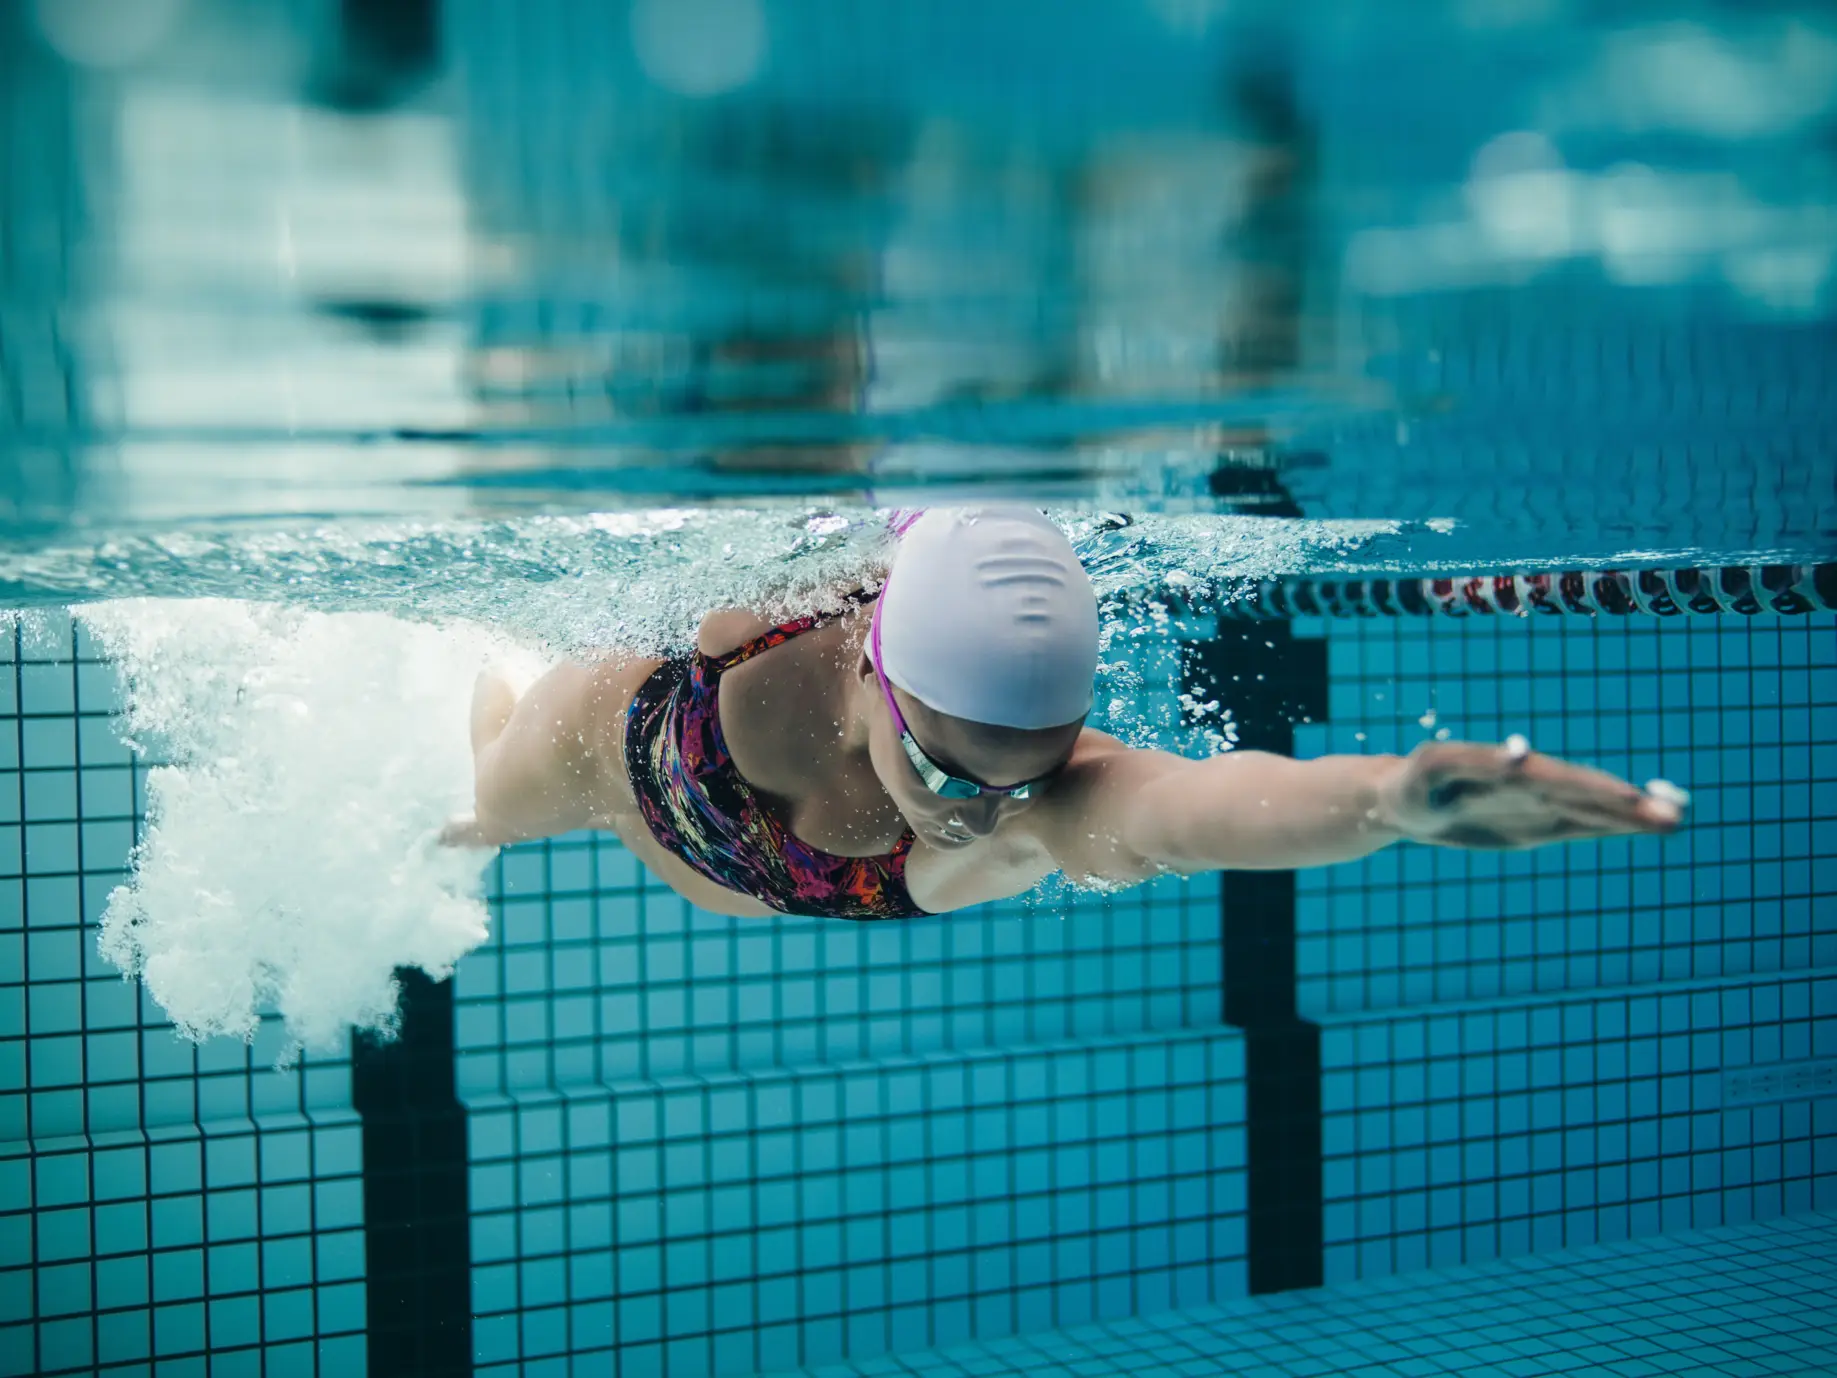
988	616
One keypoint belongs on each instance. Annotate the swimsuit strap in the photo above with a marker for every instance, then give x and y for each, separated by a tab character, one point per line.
777	636
697	805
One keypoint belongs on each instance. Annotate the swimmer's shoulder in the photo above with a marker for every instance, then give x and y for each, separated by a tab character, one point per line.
1096	755
728	629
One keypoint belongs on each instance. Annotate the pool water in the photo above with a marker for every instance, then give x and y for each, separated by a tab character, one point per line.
347	349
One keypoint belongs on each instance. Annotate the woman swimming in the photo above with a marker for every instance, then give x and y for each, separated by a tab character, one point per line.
925	749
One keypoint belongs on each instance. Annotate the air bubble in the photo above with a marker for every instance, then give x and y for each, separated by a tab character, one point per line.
289	867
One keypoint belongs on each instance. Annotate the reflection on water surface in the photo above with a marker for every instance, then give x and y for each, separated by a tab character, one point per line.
1568	283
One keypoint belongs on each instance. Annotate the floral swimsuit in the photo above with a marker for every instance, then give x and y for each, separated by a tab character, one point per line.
696	804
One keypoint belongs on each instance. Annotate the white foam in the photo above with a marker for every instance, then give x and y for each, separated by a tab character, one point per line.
642	580
289	860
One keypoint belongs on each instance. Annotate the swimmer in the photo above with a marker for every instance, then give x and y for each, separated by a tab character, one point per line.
926	749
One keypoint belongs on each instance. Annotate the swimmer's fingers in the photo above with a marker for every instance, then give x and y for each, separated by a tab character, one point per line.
1451	771
464	831
1597	798
1519	833
1466	794
1581	823
1503	828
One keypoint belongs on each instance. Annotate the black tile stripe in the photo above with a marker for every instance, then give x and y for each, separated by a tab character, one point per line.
1270	680
417	1237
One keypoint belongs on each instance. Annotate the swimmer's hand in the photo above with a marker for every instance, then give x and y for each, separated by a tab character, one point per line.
464	830
1463	794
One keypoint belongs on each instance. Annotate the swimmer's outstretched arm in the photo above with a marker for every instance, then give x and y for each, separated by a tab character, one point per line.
1126	814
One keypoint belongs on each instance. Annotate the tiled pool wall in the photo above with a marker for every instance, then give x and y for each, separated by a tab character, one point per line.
713	1146
1528	1050
159	1200
1746	1300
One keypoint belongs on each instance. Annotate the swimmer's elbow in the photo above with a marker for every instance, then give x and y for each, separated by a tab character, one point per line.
536	793
540	777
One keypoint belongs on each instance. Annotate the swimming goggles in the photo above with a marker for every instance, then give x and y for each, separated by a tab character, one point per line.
934	777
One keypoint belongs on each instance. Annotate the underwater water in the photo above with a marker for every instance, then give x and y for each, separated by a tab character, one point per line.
349	349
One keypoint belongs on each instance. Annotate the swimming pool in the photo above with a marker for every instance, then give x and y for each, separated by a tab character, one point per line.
412	336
